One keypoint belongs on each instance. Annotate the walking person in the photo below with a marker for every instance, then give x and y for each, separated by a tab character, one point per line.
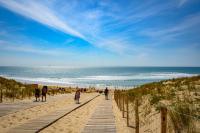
44	92
106	93
77	96
37	94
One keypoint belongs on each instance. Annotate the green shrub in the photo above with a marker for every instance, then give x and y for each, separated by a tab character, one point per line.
156	99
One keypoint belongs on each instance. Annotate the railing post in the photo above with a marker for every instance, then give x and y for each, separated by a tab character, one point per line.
120	104
29	92
119	100
123	105
22	93
136	116
127	109
163	120
13	94
1	94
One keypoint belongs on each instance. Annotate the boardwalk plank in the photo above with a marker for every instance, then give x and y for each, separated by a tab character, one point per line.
102	120
9	108
38	124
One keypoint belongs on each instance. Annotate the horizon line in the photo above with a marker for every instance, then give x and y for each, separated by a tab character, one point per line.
50	66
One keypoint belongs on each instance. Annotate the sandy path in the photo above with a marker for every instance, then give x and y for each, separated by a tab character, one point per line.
8	108
12	120
75	121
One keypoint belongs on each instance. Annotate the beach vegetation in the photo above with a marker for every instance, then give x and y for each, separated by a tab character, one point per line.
11	90
181	98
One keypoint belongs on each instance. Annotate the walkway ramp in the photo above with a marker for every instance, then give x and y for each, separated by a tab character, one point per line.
9	108
39	124
102	120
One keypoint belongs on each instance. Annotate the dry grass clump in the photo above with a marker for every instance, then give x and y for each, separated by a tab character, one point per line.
180	96
10	89
183	117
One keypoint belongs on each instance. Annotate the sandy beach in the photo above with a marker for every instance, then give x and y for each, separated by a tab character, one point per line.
12	120
75	121
71	123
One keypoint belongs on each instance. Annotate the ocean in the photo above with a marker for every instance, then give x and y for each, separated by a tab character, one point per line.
101	77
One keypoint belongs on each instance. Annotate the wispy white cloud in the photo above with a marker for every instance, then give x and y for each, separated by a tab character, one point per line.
135	13
101	25
96	24
27	48
182	2
191	21
40	13
117	45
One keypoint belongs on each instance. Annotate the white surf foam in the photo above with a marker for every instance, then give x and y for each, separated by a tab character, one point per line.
88	79
142	76
41	80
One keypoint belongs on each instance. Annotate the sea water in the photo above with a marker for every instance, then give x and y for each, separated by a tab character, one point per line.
100	77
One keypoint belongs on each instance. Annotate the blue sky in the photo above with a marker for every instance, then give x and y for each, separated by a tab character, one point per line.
99	33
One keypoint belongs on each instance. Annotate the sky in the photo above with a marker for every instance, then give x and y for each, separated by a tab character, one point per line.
82	33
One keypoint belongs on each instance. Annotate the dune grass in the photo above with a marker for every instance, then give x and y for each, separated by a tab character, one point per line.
180	96
11	90
14	90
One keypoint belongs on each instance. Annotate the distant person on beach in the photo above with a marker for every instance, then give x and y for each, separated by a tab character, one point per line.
106	93
44	92
77	96
37	94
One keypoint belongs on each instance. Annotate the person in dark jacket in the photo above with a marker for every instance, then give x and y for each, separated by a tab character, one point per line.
37	94
106	93
77	96
44	92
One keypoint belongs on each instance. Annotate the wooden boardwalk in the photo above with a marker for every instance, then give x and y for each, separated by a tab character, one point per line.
39	124
6	109
9	108
102	120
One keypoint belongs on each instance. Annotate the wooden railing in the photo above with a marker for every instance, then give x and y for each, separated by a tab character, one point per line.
166	121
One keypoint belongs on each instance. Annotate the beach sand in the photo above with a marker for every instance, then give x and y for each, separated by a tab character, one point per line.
12	120
71	123
76	120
